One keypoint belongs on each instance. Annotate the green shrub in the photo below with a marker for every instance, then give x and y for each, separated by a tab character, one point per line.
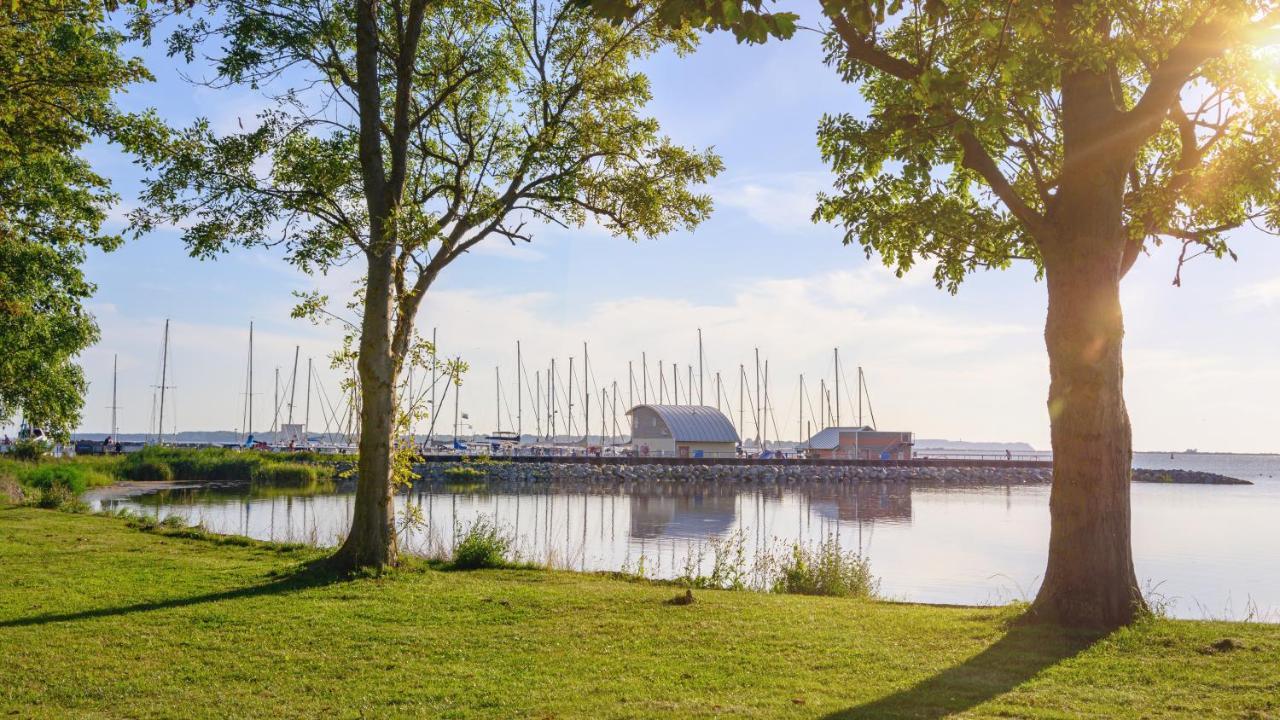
463	473
148	471
285	474
826	570
483	545
173	522
57	497
29	450
220	465
72	478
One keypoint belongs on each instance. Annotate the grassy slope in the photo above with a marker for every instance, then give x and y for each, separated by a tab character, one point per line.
98	620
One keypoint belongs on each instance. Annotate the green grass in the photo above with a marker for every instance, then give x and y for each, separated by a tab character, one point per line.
226	465
75	474
101	620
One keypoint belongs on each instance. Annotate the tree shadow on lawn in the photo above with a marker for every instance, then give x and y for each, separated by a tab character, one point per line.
308	576
1015	658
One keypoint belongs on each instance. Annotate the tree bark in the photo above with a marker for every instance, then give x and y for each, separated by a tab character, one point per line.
1090	580
371	542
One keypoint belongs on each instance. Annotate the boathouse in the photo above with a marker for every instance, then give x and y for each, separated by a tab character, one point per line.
681	431
860	443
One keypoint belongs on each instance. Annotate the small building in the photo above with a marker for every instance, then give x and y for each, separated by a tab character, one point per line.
682	431
860	443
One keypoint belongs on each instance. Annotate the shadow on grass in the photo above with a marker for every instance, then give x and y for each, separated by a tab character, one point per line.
1012	660
309	576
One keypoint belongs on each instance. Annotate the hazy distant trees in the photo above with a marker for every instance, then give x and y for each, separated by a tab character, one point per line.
401	134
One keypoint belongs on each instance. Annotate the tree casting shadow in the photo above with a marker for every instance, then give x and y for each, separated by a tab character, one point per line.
1012	660
309	576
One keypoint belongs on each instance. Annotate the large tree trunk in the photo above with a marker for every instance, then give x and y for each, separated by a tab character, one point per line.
1090	579
372	540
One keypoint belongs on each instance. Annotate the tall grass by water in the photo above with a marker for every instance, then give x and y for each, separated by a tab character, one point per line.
222	465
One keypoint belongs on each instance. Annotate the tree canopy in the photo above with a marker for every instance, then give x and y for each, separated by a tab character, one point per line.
505	115
62	64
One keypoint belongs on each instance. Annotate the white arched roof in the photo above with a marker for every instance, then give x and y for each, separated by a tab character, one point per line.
694	423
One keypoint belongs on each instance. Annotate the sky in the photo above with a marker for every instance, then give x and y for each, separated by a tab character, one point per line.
1202	360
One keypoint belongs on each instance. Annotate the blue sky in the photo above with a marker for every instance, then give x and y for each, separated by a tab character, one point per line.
1203	361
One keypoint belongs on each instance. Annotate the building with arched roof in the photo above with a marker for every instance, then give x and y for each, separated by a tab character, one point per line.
682	431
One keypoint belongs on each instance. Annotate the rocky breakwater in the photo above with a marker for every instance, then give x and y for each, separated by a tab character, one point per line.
1185	477
771	473
778	473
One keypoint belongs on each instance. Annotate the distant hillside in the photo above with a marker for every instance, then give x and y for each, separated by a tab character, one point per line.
932	444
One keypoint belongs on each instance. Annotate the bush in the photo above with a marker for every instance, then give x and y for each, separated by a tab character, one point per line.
58	497
463	473
284	474
482	546
72	478
29	450
148	471
826	570
219	465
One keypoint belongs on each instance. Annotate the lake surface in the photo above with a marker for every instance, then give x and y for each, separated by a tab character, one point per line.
1204	551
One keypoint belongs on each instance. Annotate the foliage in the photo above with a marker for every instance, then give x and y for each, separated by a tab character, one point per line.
147	470
157	463
482	545
462	473
80	590
281	474
966	157
62	64
826	570
29	450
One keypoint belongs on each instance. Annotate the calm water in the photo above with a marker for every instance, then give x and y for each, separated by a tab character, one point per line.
1208	551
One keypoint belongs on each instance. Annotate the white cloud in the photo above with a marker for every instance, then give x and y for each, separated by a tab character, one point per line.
783	203
1263	293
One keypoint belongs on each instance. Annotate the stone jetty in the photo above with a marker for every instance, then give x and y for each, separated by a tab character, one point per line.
614	470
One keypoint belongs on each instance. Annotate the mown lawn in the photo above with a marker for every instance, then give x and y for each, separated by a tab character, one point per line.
100	620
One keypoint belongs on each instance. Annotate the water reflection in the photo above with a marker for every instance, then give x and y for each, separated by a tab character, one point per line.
1209	549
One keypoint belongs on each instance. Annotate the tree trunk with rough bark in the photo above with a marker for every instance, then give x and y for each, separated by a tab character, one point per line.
1090	580
371	543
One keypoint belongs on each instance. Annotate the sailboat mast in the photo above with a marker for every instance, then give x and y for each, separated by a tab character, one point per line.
275	403
700	395
306	418
758	399
615	411
717	390
249	418
457	391
860	384
519	390
675	383
497	396
551	400
837	350
164	374
115	367
742	408
293	382
586	398
570	393
764	406
644	378
662	383
801	426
